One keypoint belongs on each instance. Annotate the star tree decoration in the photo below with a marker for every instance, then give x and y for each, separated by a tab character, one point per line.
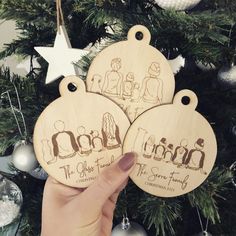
61	56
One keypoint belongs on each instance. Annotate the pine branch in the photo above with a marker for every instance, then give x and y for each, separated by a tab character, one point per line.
210	192
162	213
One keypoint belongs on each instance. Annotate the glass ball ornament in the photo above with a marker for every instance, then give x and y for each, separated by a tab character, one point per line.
10	201
39	173
178	5
227	75
127	228
23	157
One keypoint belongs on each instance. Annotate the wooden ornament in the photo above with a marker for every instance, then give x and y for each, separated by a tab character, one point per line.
61	57
79	134
133	74
176	148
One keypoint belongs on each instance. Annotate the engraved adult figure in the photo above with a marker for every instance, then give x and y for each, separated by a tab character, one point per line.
47	152
196	157
149	147
169	153
64	143
152	87
139	140
110	132
113	79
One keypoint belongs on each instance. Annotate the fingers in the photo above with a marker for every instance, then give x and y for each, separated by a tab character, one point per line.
108	182
110	205
58	191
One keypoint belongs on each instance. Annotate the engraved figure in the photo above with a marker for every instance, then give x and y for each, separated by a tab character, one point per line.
196	157
64	143
96	86
84	141
152	87
180	153
110	132
169	153
135	93
149	147
113	79
97	142
128	86
139	140
47	152
160	150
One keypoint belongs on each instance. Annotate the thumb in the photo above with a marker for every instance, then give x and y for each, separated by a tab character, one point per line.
109	181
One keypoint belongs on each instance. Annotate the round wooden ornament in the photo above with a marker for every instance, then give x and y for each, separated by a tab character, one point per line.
79	134
176	148
133	74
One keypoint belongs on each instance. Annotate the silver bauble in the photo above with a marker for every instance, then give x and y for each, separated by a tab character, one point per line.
10	201
178	5
39	173
227	75
203	233
134	229
23	157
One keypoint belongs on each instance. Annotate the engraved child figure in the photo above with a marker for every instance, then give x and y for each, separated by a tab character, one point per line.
180	153
64	143
160	150
135	93
97	142
152	87
110	132
196	157
47	152
84	142
96	86
128	86
113	79
149	147
168	153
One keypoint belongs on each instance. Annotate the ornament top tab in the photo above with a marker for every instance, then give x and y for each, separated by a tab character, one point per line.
133	74
79	134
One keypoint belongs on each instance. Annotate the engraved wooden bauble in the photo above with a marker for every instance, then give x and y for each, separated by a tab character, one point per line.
133	74
176	148
79	134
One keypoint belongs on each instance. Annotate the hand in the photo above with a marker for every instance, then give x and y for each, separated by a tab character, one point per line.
85	212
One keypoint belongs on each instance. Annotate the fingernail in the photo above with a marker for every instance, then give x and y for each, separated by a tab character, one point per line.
127	161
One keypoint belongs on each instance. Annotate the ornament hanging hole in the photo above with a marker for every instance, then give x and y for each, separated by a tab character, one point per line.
72	87
139	33
185	100
139	36
71	84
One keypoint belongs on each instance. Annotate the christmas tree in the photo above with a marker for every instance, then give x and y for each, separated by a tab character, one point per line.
203	35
